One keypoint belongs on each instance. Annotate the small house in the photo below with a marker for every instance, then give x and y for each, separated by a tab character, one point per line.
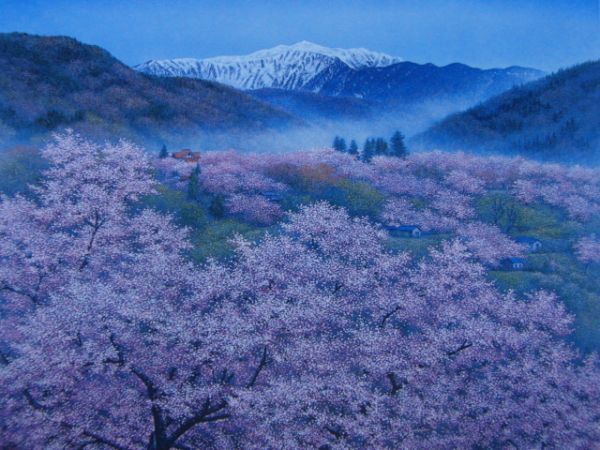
532	244
183	154
407	230
187	155
514	264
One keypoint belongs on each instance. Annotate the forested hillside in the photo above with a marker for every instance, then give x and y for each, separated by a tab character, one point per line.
557	117
408	83
48	83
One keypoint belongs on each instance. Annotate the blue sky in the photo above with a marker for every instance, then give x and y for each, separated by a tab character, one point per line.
546	34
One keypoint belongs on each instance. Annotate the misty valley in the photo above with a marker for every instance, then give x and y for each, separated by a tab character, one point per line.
303	247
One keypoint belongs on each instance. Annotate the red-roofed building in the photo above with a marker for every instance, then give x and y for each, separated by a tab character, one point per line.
187	155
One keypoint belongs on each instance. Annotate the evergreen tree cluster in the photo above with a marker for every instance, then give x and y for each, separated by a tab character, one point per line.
373	147
193	187
164	153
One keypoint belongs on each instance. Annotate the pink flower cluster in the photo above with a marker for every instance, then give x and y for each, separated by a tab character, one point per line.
317	337
488	243
254	208
587	249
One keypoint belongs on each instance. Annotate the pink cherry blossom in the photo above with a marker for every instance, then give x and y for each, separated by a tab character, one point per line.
488	243
254	208
587	249
315	336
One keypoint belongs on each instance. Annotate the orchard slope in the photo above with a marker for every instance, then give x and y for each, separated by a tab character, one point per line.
322	333
496	206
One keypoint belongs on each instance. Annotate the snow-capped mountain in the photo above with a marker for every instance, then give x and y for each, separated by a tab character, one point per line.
285	75
285	66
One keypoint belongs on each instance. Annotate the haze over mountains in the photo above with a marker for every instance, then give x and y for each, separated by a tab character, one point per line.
557	117
394	84
301	94
48	83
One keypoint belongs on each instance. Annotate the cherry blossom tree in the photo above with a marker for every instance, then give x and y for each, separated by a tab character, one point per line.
587	249
576	190
225	173
254	208
525	190
488	243
399	211
453	204
78	220
400	349
464	182
171	170
448	181
316	337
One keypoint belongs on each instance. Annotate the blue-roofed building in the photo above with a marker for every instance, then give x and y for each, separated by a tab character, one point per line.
533	245
409	230
514	263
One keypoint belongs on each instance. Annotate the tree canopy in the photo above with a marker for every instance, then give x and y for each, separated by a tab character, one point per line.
317	337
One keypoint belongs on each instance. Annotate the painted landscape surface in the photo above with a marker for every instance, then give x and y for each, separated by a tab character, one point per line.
305	246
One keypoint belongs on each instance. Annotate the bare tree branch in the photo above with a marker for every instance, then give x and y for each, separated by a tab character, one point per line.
388	315
465	345
159	435
31	297
33	402
396	385
120	360
208	413
96	225
259	368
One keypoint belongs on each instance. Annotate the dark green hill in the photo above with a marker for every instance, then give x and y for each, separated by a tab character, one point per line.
48	83
556	117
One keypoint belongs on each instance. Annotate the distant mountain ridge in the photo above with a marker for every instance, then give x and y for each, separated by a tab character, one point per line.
408	82
51	82
358	73
556	117
283	67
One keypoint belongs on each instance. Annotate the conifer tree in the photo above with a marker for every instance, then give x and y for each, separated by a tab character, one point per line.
353	148
381	146
336	143
193	188
217	207
368	150
398	147
339	144
163	152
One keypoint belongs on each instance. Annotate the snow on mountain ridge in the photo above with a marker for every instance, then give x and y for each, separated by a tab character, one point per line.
284	66
354	57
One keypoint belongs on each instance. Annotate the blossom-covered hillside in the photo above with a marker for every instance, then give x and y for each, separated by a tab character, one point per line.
306	300
496	206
